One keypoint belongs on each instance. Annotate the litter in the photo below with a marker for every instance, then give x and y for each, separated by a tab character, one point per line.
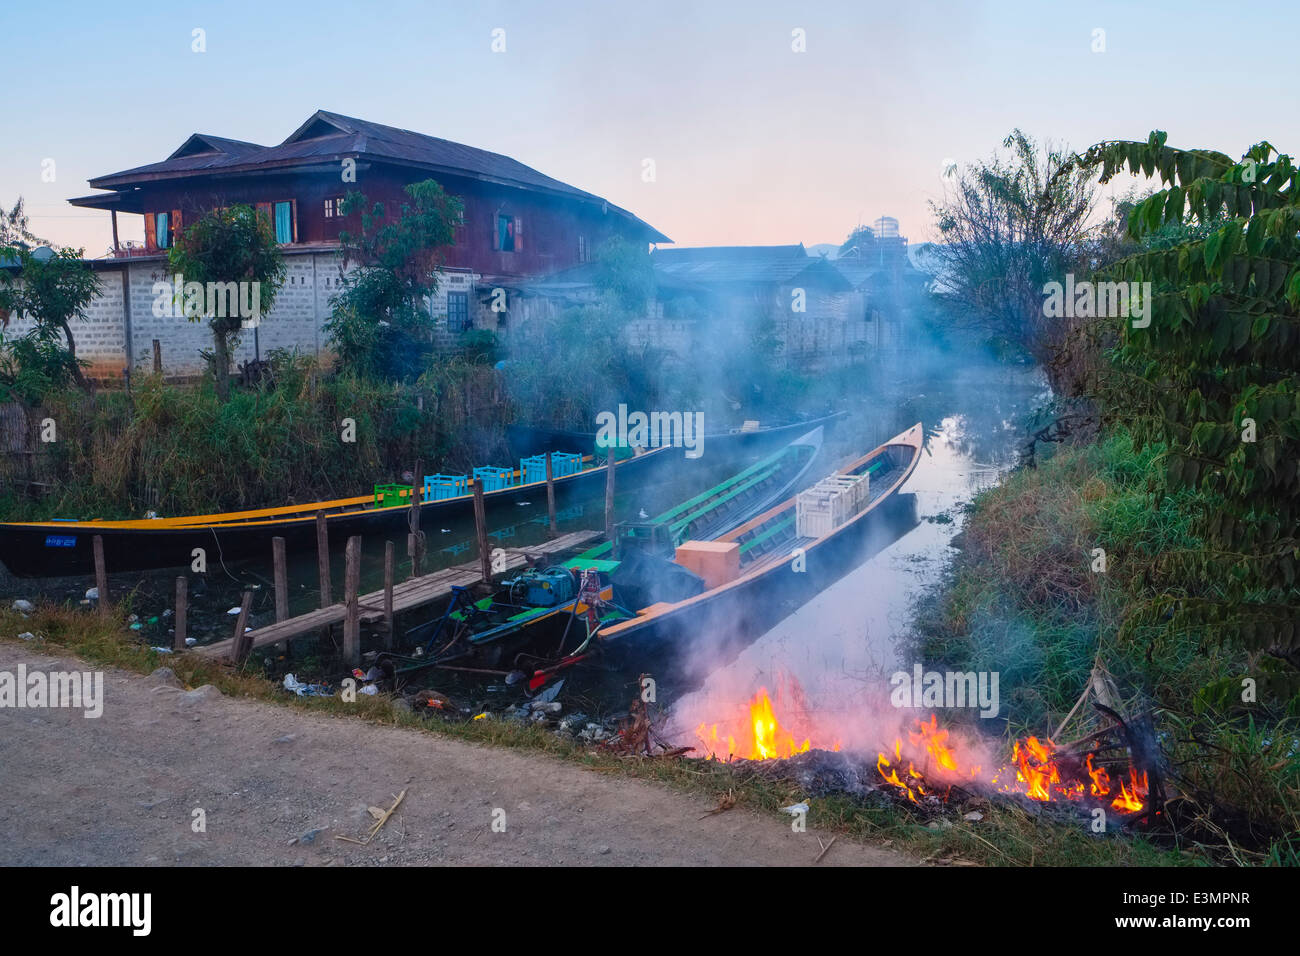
796	809
163	650
26	636
293	685
233	610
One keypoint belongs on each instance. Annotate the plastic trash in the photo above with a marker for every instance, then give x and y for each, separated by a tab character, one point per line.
26	636
233	610
796	809
548	695
92	594
24	607
163	650
295	686
370	690
191	641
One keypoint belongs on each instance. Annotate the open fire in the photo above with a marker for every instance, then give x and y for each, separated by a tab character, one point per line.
930	762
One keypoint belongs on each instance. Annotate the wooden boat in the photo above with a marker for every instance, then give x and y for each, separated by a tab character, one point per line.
532	605
780	570
65	546
529	440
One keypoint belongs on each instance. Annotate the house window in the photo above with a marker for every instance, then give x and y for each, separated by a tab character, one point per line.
162	230
285	227
333	208
582	248
507	233
457	311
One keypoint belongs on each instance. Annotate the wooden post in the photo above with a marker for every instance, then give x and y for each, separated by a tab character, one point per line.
281	579
550	495
351	604
243	643
609	502
480	529
101	575
182	611
414	545
323	559
389	561
157	357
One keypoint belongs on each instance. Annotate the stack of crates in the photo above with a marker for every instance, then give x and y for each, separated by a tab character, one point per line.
438	487
492	479
563	463
829	503
388	495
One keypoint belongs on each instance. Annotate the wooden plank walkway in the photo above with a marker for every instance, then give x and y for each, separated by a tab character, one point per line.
407	595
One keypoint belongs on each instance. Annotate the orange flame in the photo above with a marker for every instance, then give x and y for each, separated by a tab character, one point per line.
1037	768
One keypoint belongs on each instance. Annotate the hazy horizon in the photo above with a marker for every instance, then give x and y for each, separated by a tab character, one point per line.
753	143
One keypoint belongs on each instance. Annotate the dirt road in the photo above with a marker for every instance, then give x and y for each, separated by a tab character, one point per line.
277	787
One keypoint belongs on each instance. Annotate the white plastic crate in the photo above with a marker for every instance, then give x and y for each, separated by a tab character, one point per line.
829	503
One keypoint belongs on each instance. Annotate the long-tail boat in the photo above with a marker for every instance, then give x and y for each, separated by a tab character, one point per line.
534	602
65	546
781	559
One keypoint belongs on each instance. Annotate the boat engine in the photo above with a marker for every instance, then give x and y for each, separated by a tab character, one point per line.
542	588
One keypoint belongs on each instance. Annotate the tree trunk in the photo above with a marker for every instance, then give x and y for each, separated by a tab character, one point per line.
72	352
221	364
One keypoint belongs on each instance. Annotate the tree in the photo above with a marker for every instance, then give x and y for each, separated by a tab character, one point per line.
1013	225
1214	380
14	229
51	292
380	324
225	246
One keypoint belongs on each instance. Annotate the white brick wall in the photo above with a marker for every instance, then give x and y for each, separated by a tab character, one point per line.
296	321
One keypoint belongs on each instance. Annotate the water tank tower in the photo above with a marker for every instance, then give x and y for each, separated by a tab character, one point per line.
886	227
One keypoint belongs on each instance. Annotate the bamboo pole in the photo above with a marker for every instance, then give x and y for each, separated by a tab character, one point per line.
389	561
550	495
480	530
352	604
609	501
243	643
414	544
323	559
182	611
281	579
101	576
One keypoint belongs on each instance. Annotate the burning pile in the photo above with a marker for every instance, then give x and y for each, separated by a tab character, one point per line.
1111	768
763	737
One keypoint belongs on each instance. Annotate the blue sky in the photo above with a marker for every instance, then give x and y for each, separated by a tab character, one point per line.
752	142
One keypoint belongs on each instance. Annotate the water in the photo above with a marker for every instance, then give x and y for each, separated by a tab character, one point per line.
842	646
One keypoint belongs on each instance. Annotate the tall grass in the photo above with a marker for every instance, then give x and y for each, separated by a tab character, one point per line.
309	436
1024	600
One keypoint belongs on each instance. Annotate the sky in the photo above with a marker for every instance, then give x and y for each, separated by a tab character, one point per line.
752	141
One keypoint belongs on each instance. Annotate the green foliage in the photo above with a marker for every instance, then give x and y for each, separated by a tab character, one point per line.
1011	225
624	271
228	245
51	292
179	450
1215	381
380	324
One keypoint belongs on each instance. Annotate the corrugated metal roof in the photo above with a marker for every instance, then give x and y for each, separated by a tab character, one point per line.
746	264
327	135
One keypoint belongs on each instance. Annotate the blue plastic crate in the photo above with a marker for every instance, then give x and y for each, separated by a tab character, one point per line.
563	464
438	487
492	479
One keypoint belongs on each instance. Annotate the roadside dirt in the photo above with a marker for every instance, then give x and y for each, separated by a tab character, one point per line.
278	787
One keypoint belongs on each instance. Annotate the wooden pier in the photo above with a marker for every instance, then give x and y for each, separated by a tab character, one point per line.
410	594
